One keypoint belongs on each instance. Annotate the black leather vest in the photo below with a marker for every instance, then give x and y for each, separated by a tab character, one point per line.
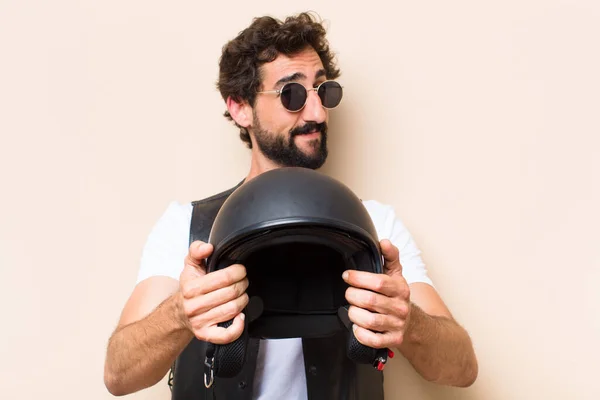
330	374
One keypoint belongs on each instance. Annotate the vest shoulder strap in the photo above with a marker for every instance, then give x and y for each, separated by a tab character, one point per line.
186	378
204	213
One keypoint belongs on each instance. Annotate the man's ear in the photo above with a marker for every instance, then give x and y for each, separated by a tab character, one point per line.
241	112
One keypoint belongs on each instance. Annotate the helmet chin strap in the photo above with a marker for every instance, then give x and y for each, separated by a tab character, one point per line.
382	355
254	309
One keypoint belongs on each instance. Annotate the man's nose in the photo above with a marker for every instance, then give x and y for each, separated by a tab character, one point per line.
314	110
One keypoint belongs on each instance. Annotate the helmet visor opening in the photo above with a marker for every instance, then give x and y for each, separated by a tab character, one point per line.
297	278
296	272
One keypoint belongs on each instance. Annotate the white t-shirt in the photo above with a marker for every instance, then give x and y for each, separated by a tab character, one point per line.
280	367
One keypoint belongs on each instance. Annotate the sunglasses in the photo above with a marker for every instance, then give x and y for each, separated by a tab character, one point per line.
294	95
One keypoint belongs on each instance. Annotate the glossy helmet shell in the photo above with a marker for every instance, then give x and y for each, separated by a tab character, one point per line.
295	230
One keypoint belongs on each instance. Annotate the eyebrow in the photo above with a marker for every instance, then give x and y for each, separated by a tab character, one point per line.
298	75
320	73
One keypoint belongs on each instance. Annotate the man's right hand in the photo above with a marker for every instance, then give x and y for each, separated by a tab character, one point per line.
209	299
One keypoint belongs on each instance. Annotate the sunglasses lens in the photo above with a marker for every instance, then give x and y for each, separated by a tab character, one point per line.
330	93
293	96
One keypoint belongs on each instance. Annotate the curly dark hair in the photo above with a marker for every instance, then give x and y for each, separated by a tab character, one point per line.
239	66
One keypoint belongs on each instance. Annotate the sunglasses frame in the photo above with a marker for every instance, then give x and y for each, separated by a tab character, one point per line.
316	89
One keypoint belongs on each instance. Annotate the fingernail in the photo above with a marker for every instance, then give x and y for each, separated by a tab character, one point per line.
204	247
242	316
354	327
345	275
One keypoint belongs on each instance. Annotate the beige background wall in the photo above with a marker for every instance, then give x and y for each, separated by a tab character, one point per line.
479	119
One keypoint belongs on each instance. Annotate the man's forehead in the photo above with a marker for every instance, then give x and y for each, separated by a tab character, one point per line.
305	65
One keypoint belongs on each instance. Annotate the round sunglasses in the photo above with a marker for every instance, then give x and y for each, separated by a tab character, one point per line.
294	95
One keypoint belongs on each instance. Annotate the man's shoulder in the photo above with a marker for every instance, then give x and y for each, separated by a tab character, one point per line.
182	211
377	209
216	197
384	217
212	198
174	217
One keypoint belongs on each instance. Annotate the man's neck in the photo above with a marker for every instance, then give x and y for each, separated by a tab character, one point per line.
259	164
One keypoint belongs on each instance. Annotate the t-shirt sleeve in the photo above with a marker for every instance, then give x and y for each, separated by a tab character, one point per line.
167	244
389	226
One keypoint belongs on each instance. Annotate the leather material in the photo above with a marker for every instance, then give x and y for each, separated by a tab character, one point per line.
188	380
330	374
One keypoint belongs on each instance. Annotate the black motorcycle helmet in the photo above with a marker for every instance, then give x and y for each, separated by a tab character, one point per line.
295	230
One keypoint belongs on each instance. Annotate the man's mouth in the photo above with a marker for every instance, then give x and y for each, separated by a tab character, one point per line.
313	133
310	131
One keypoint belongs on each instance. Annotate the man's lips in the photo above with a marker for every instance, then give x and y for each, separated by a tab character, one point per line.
311	134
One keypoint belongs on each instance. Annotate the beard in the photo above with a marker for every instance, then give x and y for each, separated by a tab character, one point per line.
283	151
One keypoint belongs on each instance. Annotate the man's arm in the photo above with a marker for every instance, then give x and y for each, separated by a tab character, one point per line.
434	343
163	315
387	312
145	343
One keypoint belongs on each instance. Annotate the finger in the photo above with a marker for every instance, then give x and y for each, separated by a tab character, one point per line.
193	264
219	335
376	302
203	303
214	281
198	252
190	273
222	313
391	256
374	321
379	283
377	340
223	278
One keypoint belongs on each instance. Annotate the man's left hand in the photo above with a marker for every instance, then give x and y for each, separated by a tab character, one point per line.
379	303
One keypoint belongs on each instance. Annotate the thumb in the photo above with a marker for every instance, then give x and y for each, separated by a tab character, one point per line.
391	256
198	252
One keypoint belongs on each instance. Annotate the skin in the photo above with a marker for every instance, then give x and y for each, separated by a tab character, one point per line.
162	315
274	117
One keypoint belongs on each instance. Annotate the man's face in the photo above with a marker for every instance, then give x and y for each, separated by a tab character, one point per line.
291	139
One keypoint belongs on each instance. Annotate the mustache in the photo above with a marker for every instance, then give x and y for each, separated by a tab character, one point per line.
309	127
